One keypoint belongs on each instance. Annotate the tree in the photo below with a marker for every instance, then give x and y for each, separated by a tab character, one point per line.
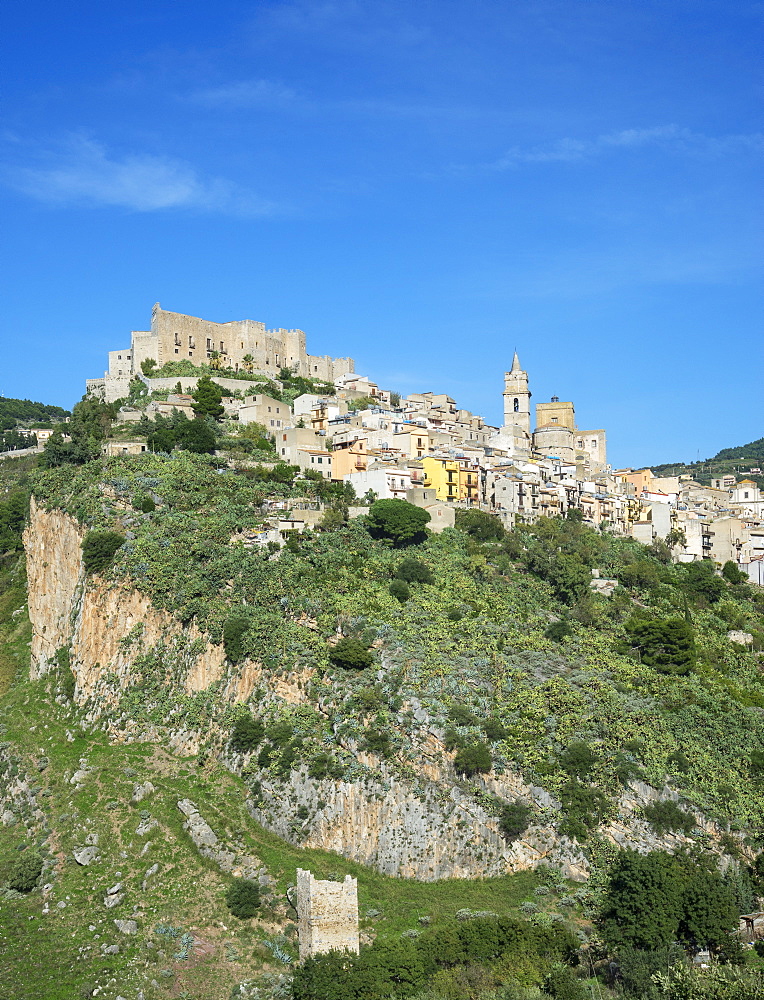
732	574
161	440
481	525
400	591
397	520
147	366
243	898
578	759
233	633
473	759
514	819
642	904
99	549
247	733
197	436
207	399
700	580
413	570
667	644
654	899
351	654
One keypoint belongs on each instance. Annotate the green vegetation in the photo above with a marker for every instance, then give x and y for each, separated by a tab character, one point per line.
24	413
351	654
247	733
398	521
243	898
99	549
642	684
435	958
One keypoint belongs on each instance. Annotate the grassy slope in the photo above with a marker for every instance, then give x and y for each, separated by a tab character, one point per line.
41	955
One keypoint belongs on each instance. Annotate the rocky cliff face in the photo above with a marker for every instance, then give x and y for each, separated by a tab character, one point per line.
424	825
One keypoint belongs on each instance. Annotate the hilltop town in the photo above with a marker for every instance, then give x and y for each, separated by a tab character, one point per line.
423	447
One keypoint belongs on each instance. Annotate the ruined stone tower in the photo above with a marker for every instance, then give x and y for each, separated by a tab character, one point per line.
327	914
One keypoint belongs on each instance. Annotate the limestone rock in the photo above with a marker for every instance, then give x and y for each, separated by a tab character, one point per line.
198	829
86	855
126	926
141	791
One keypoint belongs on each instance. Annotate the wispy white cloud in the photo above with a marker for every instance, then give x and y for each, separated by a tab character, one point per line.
245	94
83	172
670	137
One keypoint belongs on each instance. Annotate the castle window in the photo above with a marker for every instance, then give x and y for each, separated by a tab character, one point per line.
209	344
191	344
594	443
177	340
554	420
176	350
516	406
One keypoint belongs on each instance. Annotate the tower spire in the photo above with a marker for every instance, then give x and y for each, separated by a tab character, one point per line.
516	363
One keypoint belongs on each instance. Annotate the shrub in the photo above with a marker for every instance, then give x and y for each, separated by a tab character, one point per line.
578	759
667	817
146	504
400	591
414	571
561	983
99	548
233	633
584	808
243	898
66	676
462	716
700	580
514	819
350	654
494	729
377	741
25	872
473	759
246	734
732	574
557	631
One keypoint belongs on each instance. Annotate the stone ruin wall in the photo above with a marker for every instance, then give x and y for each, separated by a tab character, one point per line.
327	914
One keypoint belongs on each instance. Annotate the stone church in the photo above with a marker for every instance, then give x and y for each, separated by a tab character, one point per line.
556	434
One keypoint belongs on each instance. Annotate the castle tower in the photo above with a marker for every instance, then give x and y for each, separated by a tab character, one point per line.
517	398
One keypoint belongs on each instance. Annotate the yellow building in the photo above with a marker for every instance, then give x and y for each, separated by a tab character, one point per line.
442	475
452	479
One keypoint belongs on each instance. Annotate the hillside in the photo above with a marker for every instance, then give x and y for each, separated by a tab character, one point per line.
439	718
729	460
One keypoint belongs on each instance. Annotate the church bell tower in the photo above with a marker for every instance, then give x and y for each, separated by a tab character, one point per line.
517	398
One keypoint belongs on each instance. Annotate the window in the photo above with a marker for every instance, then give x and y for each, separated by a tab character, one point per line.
516	406
594	443
119	357
320	461
554	420
191	344
177	340
745	495
209	343
176	350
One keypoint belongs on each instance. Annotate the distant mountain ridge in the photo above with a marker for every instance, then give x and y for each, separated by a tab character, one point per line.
737	460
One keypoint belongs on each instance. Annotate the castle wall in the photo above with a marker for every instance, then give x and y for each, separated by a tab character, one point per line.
327	914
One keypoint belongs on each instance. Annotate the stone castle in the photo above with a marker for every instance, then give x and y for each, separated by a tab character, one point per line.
327	914
240	344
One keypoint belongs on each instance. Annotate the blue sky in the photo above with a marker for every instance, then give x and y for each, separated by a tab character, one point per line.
424	186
